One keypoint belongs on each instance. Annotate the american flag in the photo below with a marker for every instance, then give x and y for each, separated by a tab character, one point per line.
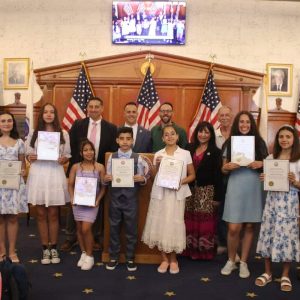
148	103
297	123
208	107
82	93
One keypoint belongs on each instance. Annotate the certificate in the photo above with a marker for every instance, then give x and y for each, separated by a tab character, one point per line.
169	173
85	191
10	167
9	181
276	175
242	150
122	171
48	145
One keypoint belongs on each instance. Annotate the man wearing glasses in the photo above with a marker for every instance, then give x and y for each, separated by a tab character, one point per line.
165	114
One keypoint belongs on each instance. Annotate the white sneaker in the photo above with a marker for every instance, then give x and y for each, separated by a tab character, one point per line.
54	256
244	271
88	263
81	260
228	268
46	259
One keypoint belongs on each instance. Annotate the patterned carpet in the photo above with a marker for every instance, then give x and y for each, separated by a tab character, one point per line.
197	279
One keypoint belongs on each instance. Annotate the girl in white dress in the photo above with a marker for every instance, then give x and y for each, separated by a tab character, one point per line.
165	227
279	232
12	201
46	183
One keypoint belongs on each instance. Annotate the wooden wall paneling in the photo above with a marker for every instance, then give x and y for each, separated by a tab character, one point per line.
60	93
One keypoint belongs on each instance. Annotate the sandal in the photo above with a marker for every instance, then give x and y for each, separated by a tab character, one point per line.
163	267
263	279
285	284
14	258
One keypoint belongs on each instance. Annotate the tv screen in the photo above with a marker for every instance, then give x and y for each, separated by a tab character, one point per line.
149	23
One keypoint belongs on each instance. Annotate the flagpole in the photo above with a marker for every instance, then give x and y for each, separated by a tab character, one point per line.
88	76
210	69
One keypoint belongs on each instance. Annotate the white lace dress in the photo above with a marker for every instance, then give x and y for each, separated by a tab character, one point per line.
47	183
13	201
165	227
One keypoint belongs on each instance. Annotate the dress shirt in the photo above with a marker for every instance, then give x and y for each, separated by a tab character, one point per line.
134	129
98	135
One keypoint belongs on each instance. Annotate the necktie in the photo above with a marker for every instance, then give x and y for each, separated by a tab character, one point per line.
93	133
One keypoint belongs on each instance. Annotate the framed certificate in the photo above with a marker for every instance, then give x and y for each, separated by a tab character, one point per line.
169	173
10	167
242	150
85	191
122	171
9	181
276	175
48	145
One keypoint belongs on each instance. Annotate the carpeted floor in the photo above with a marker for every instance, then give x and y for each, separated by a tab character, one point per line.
197	279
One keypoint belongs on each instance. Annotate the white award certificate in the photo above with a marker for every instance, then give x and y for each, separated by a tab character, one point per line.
10	182
85	191
122	170
242	150
276	175
48	145
10	167
169	173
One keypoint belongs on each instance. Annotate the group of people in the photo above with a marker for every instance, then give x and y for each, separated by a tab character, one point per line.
217	202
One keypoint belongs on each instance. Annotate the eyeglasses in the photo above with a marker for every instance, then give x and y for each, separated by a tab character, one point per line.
166	111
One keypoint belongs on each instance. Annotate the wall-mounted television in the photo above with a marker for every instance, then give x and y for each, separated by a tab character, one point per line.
149	22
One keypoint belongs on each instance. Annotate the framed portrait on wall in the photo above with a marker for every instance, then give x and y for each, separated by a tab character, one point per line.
16	73
280	79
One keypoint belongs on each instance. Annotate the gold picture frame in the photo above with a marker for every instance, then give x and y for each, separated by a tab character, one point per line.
16	73
280	79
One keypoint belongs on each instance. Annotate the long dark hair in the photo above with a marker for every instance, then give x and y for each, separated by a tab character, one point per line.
41	125
82	145
212	141
14	132
295	153
260	146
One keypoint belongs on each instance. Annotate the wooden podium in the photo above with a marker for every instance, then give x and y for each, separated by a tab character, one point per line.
143	253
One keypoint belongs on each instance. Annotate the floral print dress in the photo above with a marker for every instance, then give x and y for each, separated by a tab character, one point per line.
279	232
13	201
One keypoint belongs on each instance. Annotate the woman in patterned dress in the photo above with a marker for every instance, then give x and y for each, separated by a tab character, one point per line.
279	233
12	201
200	211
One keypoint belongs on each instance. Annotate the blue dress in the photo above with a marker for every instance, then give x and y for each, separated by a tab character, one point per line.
13	201
244	197
279	232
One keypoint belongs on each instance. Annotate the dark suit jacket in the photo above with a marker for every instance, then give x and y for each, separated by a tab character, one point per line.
283	87
143	143
79	132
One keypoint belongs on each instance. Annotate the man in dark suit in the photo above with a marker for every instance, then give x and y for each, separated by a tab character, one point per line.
103	134
141	136
279	81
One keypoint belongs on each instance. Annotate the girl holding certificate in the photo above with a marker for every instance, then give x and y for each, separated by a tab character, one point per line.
47	184
244	195
85	216
279	233
165	226
12	201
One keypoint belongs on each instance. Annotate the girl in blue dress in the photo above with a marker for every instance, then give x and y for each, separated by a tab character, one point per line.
12	201
85	216
244	195
279	233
